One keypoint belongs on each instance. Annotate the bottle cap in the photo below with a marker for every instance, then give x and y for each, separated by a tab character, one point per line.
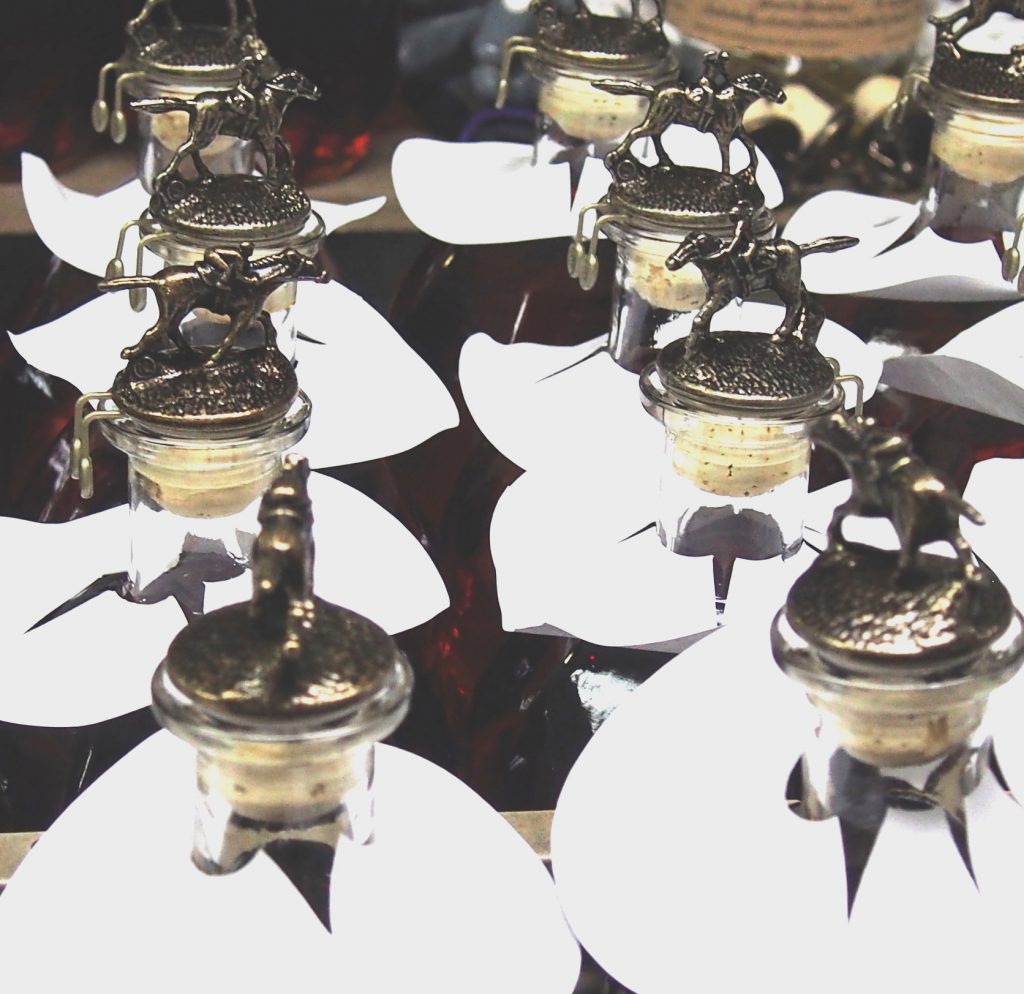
286	656
599	41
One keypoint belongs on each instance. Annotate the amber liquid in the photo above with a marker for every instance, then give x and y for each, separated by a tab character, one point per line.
349	49
504	710
50	54
475	681
495	707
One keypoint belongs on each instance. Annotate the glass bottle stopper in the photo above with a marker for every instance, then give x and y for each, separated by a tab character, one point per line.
283	698
898	647
174	56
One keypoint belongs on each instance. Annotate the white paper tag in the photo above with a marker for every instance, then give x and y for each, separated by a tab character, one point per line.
351	340
482	193
926	268
70	671
699	757
112	883
982	368
82	229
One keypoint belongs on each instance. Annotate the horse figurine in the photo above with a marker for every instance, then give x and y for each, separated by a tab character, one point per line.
745	265
977	12
890	481
225	281
252	110
715	105
282	559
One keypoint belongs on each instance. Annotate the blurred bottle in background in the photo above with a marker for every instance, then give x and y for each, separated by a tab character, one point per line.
841	63
51	51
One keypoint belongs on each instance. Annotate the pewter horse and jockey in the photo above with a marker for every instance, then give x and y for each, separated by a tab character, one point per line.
715	105
890	481
251	110
225	281
744	265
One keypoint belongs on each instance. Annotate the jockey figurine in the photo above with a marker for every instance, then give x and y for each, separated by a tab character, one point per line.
230	267
244	96
744	243
714	79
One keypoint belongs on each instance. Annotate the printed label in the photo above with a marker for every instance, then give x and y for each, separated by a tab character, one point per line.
811	29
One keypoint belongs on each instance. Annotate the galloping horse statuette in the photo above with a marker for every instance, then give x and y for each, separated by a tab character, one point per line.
225	282
715	105
252	110
746	265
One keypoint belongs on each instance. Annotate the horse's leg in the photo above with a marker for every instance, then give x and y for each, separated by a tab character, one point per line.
751	148
241	320
269	331
835	526
723	138
152	333
234	330
702	319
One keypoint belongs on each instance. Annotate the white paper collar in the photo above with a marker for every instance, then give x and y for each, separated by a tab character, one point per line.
445	894
926	268
82	229
483	193
568	538
699	757
96	661
982	368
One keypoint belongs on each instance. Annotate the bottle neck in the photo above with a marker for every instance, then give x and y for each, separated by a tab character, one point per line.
975	176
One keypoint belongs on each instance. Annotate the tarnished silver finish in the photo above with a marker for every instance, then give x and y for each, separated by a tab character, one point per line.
747	264
287	653
169	383
234	206
665	197
582	36
582	40
714	105
745	372
897	649
160	47
283	699
879	609
992	76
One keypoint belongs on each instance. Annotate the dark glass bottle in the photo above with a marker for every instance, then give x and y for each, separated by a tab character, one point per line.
477	682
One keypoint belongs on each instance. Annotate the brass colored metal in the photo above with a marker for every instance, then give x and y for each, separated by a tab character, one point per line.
234	206
170	384
286	654
748	264
667	195
226	282
873	608
991	75
160	46
582	36
747	372
81	461
584	40
714	105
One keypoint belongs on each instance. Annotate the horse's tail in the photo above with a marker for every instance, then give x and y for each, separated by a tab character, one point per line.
835	243
126	283
970	512
161	105
625	87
